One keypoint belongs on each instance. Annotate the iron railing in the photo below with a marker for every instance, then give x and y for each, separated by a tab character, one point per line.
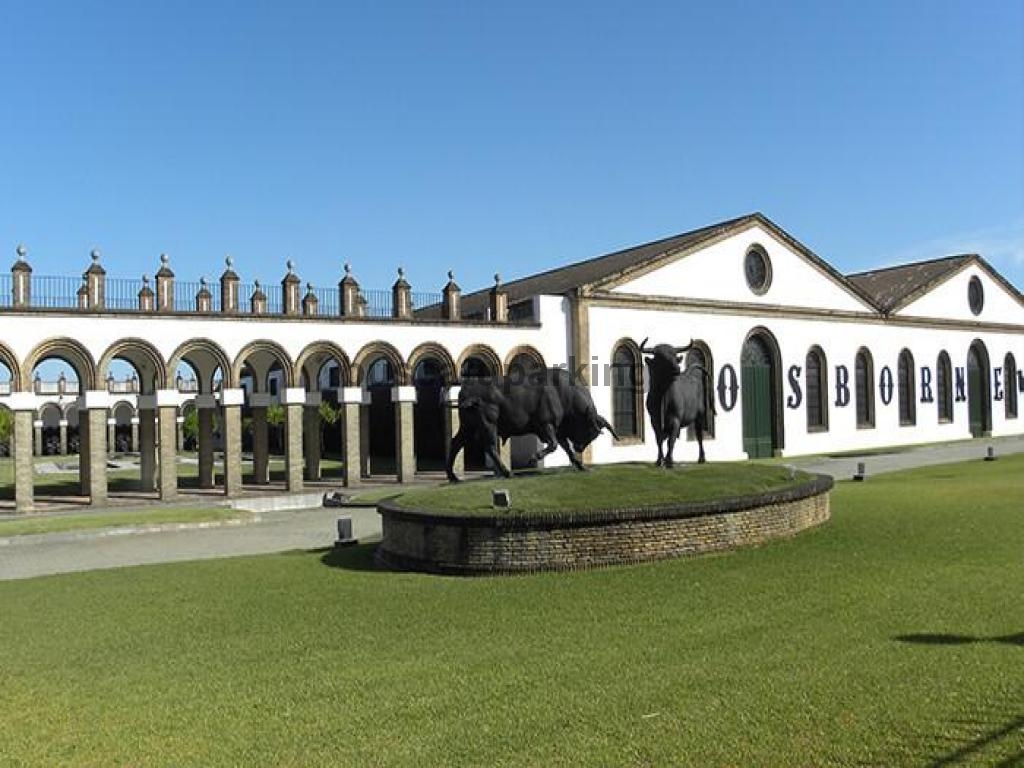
6	290
55	292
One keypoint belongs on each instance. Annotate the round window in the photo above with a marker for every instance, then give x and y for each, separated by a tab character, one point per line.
758	270
975	295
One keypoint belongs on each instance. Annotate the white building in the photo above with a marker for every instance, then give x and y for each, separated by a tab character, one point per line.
803	359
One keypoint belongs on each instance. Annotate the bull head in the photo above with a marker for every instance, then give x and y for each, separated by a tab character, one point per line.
664	359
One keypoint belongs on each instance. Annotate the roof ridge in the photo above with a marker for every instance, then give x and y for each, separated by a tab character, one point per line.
620	251
908	264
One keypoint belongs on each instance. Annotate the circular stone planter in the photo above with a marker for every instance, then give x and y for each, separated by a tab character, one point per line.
436	542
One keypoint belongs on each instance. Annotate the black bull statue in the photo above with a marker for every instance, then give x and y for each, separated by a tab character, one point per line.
676	398
545	402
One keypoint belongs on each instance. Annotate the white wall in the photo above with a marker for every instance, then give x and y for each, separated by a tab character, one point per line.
725	335
716	273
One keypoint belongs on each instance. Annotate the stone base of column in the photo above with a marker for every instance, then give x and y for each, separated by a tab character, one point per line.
96	455
293	447
168	453
405	445
231	429
24	466
351	435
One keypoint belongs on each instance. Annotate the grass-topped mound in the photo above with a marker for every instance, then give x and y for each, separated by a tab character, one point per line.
613	486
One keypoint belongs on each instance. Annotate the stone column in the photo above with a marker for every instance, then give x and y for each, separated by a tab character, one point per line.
311	430
260	443
294	404
231	433
168	419
147	445
111	435
134	447
364	438
24	465
204	410
37	437
179	432
351	399
63	437
451	427
405	445
94	456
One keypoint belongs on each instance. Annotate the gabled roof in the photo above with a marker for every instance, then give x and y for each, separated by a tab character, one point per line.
895	287
563	280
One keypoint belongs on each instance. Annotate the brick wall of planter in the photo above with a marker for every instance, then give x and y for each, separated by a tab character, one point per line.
442	543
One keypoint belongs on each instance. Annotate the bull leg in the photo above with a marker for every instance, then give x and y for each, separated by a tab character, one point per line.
453	450
564	442
658	438
491	450
698	430
550	443
672	430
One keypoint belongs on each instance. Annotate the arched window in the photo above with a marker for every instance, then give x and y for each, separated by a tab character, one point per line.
700	354
626	391
817	391
865	375
944	387
1010	372
905	384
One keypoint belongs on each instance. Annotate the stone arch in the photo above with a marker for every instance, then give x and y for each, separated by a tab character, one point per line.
483	353
700	354
433	349
71	352
315	356
979	389
265	349
373	350
205	356
523	350
143	356
10	360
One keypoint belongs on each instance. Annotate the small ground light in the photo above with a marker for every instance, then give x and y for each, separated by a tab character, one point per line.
500	497
990	454
345	532
861	473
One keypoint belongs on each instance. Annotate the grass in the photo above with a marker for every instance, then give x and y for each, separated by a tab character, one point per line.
79	521
893	635
604	487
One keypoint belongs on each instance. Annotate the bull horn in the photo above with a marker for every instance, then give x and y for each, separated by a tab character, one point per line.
680	350
643	346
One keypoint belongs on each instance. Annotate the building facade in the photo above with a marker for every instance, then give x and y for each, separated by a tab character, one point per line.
801	359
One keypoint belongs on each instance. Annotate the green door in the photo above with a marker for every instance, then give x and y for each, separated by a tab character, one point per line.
977	394
756	388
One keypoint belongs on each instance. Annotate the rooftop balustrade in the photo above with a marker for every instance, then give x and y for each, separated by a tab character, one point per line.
95	291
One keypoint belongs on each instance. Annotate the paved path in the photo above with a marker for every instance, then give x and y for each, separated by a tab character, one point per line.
28	556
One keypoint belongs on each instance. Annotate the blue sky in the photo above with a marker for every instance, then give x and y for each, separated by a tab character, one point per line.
467	135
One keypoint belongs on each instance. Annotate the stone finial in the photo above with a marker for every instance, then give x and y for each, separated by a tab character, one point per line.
256	283
95	254
165	259
202	283
21	250
229	262
401	273
291	266
348	269
497	280
145	281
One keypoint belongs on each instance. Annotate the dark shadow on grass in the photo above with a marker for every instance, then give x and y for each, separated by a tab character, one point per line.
950	639
967	754
358	557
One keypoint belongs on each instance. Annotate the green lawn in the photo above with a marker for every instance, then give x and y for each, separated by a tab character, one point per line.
893	635
78	521
604	487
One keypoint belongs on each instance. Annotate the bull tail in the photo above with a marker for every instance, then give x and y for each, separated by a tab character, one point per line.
603	422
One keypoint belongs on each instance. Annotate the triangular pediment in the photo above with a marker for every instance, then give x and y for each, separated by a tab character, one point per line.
720	270
952	297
